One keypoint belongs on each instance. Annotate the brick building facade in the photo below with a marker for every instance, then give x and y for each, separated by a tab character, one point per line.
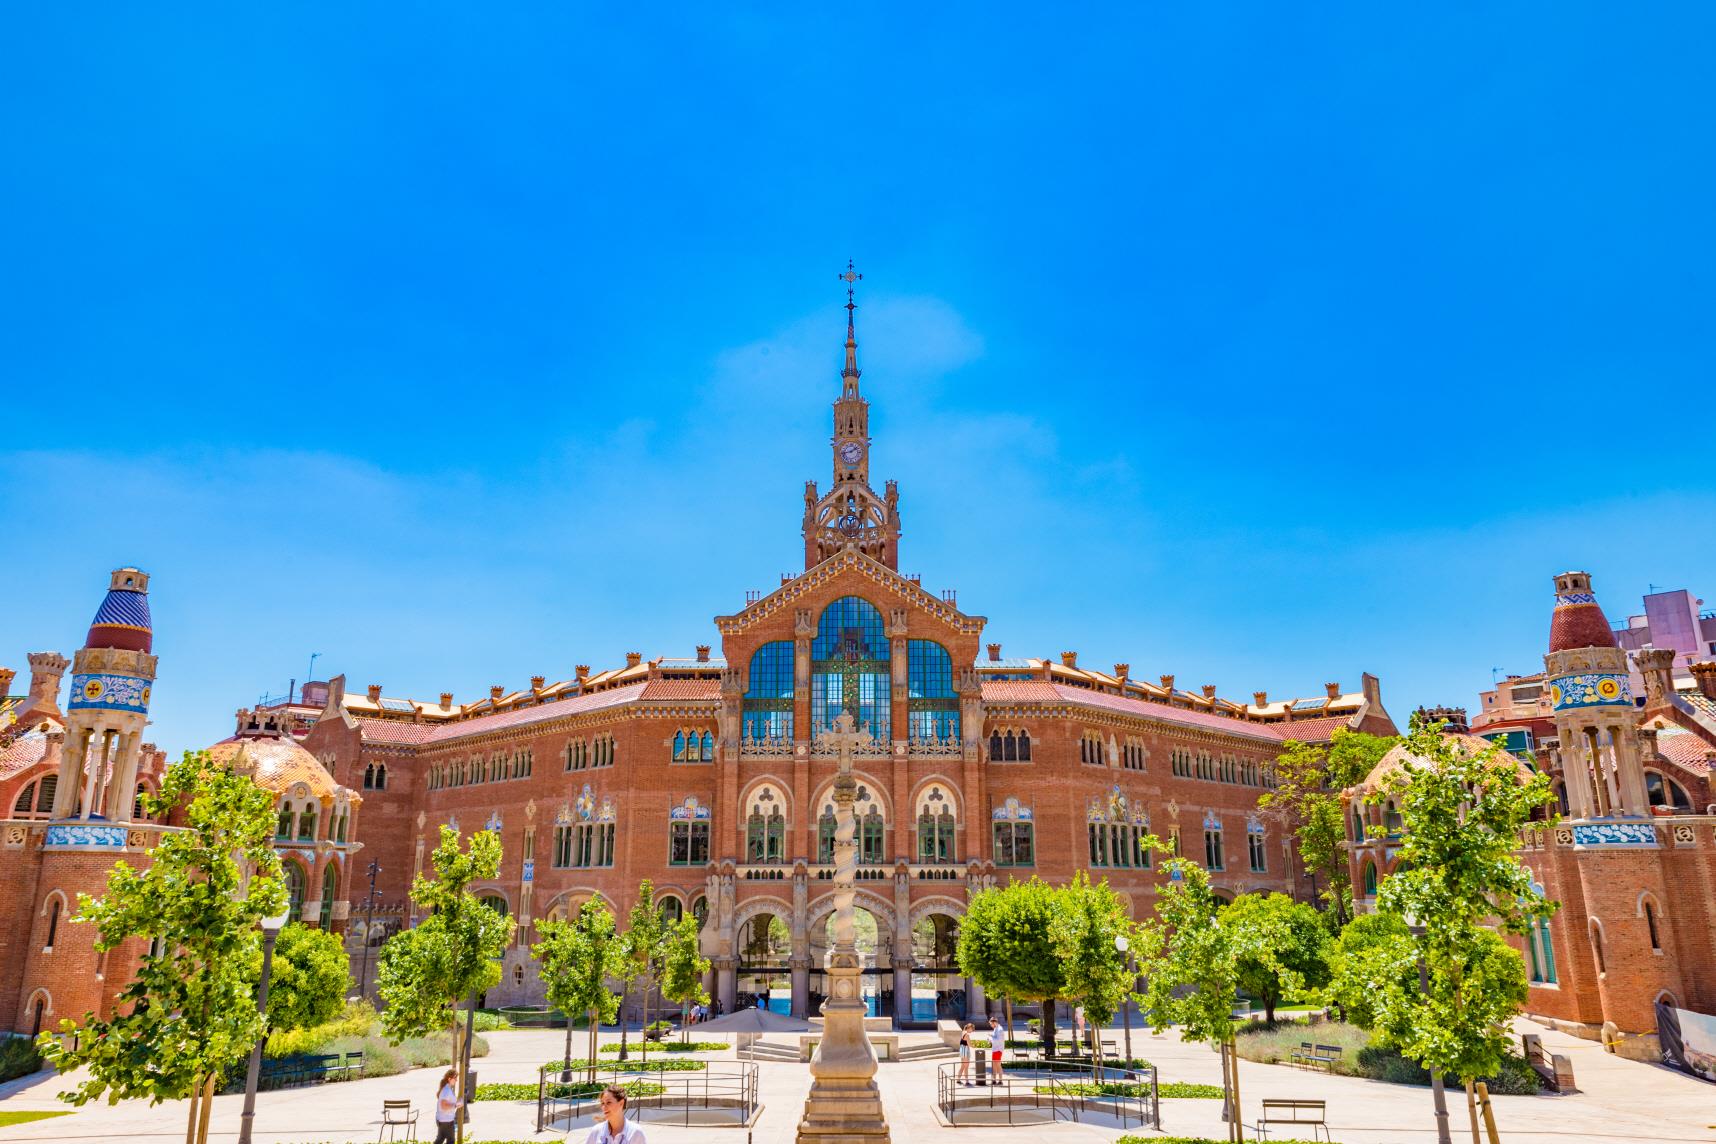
1632	859
708	774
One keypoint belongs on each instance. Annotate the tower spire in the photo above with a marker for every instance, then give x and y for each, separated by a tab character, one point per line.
850	372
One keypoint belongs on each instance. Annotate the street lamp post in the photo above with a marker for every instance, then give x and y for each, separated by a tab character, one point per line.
1124	945
368	928
1437	1095
270	931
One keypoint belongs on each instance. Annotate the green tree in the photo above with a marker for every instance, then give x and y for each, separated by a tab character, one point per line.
189	1014
577	957
1309	779
1297	941
1006	944
1353	966
1191	956
452	955
309	980
1093	969
683	967
1459	881
645	944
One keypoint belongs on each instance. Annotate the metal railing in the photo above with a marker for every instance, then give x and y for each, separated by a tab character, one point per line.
729	1090
1049	1089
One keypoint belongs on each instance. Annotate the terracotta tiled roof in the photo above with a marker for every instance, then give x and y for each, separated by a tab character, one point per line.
682	689
538	714
395	731
1690	750
1579	625
1163	713
277	764
1019	691
1313	730
21	754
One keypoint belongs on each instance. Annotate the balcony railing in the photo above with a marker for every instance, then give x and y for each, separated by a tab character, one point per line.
765	748
948	748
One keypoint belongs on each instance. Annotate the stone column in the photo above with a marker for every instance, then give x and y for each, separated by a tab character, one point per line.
800	966
976	1004
727	982
72	762
844	1104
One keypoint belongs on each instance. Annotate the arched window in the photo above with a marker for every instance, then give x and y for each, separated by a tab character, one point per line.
765	828
25	800
294	891
700	910
494	902
1666	792
1255	844
1114	828
1597	947
769	692
672	909
45	794
330	886
1214	858
518	975
936	827
1370	879
1650	925
871	835
53	922
707	754
37	1012
283	825
932	703
849	666
1015	841
825	834
688	834
679	746
307	824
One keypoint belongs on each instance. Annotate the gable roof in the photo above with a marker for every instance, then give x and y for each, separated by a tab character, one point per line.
851	560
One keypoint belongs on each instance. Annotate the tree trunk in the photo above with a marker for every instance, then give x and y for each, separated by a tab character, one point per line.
1048	1027
595	1032
1269	1009
646	1023
568	1057
624	993
1238	1118
1007	1003
191	1119
208	1107
684	1022
464	1067
1472	1111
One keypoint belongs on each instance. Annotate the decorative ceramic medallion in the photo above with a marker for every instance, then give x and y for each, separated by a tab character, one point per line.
1591	689
109	693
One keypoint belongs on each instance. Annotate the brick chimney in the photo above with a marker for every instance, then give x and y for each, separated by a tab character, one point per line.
447	699
6	677
1705	674
536	682
581	672
633	658
1122	671
1334	690
1069	659
1260	698
994	652
1657	667
1168	684
702	653
1209	691
374	692
46	670
495	692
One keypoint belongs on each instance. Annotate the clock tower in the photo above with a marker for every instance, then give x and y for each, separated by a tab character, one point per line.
850	513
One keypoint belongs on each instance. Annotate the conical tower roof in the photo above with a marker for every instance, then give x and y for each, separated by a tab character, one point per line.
122	621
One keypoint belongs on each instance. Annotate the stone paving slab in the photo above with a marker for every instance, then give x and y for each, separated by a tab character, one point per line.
1620	1101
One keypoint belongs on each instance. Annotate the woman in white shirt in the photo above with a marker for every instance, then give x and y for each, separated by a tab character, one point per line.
613	1127
447	1110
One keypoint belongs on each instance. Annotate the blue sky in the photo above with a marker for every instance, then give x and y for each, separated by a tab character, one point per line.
463	344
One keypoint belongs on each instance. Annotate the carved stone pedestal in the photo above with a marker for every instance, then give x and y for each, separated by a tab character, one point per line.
844	1103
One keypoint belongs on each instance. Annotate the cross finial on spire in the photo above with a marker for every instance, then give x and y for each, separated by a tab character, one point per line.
849	276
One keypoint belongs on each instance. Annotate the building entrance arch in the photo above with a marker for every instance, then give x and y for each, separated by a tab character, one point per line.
937	984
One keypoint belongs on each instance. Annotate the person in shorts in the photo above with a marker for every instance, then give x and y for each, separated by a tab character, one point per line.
997	1038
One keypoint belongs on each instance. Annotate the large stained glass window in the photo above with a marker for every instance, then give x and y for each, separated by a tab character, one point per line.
932	703
849	668
768	692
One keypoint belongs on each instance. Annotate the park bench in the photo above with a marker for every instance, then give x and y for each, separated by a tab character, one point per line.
352	1068
1309	1055
397	1114
1296	1112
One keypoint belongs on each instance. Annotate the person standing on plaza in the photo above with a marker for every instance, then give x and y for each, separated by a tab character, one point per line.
612	1127
447	1104
997	1038
963	1076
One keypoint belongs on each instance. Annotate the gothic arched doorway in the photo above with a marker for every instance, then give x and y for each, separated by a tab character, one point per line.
765	946
938	986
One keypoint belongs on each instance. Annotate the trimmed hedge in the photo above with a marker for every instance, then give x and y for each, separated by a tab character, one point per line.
668	1065
528	1091
1177	1090
18	1057
671	1047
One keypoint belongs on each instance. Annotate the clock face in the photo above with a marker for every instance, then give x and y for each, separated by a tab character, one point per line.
851	452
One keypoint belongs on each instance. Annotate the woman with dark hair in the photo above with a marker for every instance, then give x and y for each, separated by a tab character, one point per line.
447	1105
613	1127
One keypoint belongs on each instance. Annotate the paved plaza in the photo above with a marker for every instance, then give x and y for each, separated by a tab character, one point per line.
1619	1100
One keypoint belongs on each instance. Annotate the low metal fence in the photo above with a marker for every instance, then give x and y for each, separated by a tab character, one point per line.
1049	1089
722	1095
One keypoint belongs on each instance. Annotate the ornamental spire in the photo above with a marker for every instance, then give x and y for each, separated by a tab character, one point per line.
851	371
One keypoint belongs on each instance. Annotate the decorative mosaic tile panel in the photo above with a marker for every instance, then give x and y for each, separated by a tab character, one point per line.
86	835
109	693
1614	834
1593	689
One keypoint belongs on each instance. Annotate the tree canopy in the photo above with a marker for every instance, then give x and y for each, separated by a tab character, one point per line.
1309	779
1295	939
309	978
1459	884
190	1011
1083	930
576	957
683	965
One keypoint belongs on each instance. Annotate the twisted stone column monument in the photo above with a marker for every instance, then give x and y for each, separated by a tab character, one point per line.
844	1104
